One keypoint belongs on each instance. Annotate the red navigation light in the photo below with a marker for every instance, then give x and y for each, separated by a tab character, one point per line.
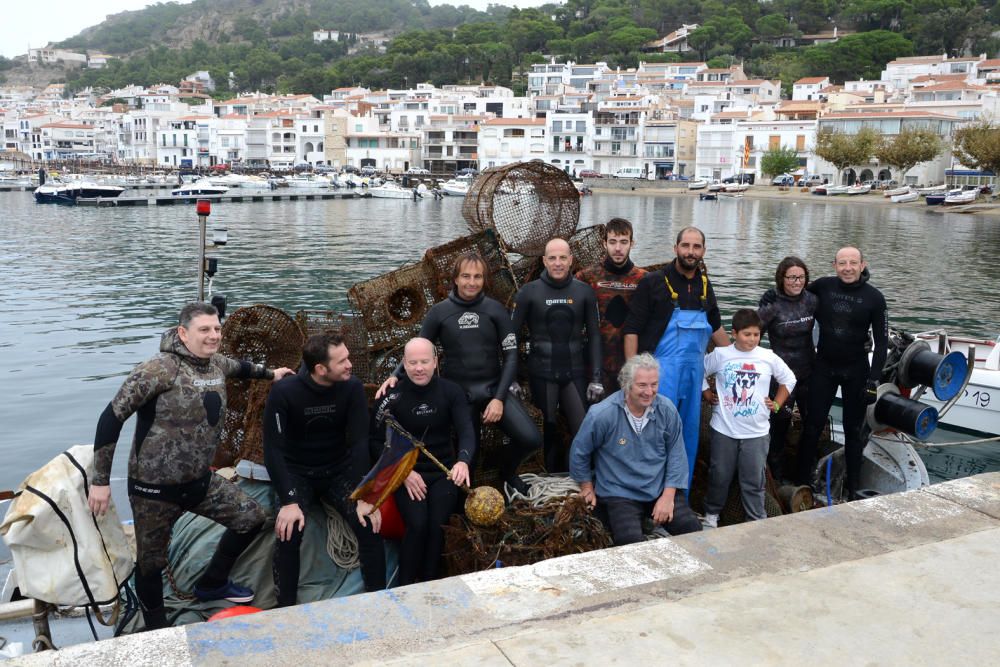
204	207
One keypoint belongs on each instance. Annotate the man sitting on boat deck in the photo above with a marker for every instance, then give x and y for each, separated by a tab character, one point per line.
614	281
316	445
632	444
180	398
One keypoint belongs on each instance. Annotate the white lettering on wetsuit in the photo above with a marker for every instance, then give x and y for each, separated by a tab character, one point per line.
552	302
214	382
468	321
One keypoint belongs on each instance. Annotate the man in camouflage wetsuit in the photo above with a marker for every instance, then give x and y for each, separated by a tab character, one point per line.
180	398
614	281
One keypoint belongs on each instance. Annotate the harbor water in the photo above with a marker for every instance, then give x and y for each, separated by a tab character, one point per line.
86	292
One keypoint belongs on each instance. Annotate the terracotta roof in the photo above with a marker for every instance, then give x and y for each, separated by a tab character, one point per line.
234	116
917	60
624	98
70	126
888	114
952	85
811	80
939	77
733	114
993	62
515	121
800	105
745	82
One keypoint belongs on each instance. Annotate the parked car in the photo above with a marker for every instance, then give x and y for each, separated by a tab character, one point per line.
467	171
783	179
739	178
629	172
418	171
589	173
368	171
810	181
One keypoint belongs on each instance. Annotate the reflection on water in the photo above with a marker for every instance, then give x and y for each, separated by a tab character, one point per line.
87	292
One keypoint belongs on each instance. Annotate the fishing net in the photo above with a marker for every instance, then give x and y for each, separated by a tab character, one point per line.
524	535
264	335
493	445
350	327
392	305
527	203
500	283
587	246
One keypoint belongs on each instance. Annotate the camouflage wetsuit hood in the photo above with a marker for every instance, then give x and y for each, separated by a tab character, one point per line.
180	400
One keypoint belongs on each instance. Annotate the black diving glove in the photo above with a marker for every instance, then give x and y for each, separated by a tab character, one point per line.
871	391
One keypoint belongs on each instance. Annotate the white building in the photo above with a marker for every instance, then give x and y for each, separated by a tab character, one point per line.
66	141
50	55
808	89
571	143
504	141
899	72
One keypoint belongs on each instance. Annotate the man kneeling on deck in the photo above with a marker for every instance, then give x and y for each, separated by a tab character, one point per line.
316	445
180	398
632	443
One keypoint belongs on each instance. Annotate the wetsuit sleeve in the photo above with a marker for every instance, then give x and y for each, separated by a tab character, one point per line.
712	309
244	370
582	449
357	431
593	317
766	309
377	428
880	338
522	303
275	445
461	421
677	463
508	347
146	381
638	308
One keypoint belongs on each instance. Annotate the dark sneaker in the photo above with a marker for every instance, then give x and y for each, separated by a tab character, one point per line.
519	485
230	591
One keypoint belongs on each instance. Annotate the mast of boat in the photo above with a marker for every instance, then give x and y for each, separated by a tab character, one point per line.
204	209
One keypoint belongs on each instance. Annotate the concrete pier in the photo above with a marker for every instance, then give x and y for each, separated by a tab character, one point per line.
169	200
910	578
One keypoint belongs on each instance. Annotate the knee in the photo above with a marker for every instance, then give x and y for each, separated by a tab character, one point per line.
250	520
293	543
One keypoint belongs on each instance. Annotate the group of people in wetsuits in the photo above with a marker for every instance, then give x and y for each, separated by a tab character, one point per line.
588	334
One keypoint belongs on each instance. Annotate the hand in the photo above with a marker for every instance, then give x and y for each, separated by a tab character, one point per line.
515	390
710	396
493	411
99	499
389	383
871	391
368	510
460	474
282	372
588	495
663	510
288	516
415	485
595	392
769	403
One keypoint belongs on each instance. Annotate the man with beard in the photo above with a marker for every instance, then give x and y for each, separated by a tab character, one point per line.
562	320
673	315
614	281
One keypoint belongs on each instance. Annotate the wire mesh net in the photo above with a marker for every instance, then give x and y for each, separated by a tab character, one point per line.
527	203
264	335
500	283
587	246
350	327
392	305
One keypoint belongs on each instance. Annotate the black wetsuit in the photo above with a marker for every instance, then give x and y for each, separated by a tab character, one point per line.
788	322
431	413
316	445
559	314
473	335
845	313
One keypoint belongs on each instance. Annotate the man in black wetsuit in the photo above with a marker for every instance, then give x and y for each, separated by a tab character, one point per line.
848	307
430	408
559	312
474	331
316	445
179	397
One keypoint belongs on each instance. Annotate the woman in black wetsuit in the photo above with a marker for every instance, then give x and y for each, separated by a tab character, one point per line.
787	315
480	354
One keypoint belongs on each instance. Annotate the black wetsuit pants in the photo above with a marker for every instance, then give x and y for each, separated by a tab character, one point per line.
155	508
335	491
550	397
823	384
516	423
777	457
423	542
624	517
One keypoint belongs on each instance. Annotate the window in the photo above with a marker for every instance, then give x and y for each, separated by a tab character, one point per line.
800	143
513	132
557	126
581	126
774	142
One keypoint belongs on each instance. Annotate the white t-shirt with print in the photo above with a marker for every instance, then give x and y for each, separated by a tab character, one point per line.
742	381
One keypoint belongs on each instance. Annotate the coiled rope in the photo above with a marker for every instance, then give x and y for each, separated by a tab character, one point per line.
542	488
341	542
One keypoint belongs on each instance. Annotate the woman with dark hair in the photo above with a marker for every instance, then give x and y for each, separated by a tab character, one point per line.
787	317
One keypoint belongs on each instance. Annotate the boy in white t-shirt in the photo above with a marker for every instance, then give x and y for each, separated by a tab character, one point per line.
740	419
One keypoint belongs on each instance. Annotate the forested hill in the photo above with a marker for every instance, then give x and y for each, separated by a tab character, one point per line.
267	44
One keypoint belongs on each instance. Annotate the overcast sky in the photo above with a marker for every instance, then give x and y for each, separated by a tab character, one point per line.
36	24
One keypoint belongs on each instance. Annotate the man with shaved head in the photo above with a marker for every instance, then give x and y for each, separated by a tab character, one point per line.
563	328
849	307
430	408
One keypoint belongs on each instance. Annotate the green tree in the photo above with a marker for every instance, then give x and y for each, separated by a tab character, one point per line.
863	55
779	160
977	145
844	150
908	148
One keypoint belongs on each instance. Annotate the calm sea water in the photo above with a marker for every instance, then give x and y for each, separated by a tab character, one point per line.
86	292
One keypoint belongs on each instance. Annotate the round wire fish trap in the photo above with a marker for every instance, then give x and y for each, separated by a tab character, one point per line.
393	305
500	283
350	327
264	335
527	203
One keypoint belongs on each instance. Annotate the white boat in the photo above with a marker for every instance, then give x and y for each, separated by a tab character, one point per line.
716	186
459	187
307	182
978	408
896	191
933	190
859	189
58	192
245	181
965	197
832	190
736	187
698	184
905	197
199	188
393	191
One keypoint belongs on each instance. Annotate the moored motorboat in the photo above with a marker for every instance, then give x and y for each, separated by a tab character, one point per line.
933	190
859	189
716	186
963	197
736	187
67	193
896	191
392	191
697	184
905	197
201	187
837	190
819	190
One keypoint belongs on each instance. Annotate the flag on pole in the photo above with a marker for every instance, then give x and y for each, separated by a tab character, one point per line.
396	461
